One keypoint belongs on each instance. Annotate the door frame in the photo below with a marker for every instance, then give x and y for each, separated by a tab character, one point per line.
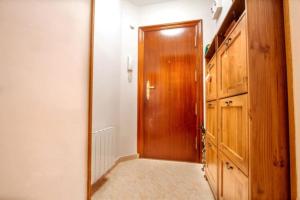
199	67
90	102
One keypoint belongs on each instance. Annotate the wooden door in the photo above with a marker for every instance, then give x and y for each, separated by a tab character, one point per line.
211	169
170	59
211	121
233	123
211	79
233	184
232	63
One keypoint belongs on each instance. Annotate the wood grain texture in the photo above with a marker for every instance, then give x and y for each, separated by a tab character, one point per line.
167	120
211	79
211	169
233	184
290	82
269	146
90	106
212	121
233	130
169	113
235	11
232	62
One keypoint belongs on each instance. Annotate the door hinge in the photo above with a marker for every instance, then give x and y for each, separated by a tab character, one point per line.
196	75
196	143
196	109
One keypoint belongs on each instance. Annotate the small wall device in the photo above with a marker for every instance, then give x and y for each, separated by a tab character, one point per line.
129	63
216	8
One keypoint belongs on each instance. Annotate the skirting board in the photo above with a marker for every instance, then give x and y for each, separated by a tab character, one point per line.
103	179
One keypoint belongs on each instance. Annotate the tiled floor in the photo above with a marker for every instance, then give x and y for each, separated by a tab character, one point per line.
144	179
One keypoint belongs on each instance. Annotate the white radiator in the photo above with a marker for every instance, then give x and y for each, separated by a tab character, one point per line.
103	152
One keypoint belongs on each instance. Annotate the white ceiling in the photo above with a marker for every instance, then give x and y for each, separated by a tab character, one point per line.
146	2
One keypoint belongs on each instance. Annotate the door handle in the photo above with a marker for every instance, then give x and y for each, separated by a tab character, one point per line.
149	88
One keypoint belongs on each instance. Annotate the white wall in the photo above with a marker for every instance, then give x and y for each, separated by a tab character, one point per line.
107	55
44	71
128	93
180	10
295	32
106	86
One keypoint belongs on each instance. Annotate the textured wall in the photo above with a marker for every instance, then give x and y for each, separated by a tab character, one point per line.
44	67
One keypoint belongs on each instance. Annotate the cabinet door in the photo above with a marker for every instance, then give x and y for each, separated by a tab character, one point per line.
233	184
211	169
233	135
211	79
211	122
232	63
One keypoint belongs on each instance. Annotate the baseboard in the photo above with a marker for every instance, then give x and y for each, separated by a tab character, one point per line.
103	179
126	158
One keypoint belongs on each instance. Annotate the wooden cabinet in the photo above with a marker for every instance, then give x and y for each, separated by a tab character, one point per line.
233	124
233	184
211	169
211	79
252	106
211	123
232	63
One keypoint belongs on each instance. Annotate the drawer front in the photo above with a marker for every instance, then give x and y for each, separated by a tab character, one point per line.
233	134
211	169
233	184
211	79
232	63
211	121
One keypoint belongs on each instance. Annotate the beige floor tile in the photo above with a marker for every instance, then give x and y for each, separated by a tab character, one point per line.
145	179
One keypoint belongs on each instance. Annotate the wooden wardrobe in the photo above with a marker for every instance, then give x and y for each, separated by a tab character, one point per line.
246	140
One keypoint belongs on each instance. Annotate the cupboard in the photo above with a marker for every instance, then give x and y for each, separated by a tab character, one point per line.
211	79
246	139
211	122
233	134
212	165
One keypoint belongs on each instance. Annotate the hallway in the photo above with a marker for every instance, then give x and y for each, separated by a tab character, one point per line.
155	179
150	100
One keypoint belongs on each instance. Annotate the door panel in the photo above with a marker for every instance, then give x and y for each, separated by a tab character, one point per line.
233	138
232	63
211	121
169	94
211	169
211	79
233	184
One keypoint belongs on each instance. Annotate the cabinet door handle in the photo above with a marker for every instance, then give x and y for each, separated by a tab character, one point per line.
228	102
228	166
228	41
208	78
